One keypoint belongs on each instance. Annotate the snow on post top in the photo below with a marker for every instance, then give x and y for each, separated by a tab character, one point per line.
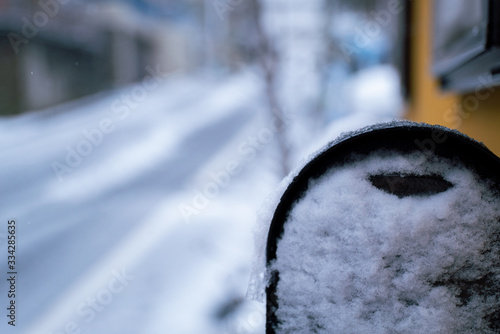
356	259
358	256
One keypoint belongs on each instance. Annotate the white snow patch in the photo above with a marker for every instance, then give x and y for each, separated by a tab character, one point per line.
355	259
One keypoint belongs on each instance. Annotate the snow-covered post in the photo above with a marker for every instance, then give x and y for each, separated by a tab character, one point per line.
393	228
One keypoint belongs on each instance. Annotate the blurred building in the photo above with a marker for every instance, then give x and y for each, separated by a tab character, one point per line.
458	88
58	50
447	53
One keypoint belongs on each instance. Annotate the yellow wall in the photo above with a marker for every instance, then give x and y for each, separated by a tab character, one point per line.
476	114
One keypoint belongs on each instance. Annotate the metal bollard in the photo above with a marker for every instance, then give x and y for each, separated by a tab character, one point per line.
391	229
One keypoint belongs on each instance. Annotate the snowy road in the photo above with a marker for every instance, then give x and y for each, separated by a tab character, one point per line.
95	189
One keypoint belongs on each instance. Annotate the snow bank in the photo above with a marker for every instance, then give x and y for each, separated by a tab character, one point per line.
356	259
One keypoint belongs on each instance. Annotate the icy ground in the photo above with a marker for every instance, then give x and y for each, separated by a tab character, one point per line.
116	211
135	216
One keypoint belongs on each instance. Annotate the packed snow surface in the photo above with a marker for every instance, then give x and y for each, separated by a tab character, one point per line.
356	259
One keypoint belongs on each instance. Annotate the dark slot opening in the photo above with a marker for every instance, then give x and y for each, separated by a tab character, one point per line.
403	185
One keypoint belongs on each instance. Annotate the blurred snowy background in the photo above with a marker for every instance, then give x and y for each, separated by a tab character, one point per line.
139	138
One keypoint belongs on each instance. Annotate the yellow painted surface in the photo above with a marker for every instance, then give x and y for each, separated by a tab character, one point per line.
483	123
476	114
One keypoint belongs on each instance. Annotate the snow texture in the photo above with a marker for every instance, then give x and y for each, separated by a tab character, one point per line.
356	259
258	279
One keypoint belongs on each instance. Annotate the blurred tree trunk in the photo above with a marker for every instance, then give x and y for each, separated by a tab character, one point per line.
269	60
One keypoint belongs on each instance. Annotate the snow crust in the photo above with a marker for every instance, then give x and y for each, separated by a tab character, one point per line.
355	259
